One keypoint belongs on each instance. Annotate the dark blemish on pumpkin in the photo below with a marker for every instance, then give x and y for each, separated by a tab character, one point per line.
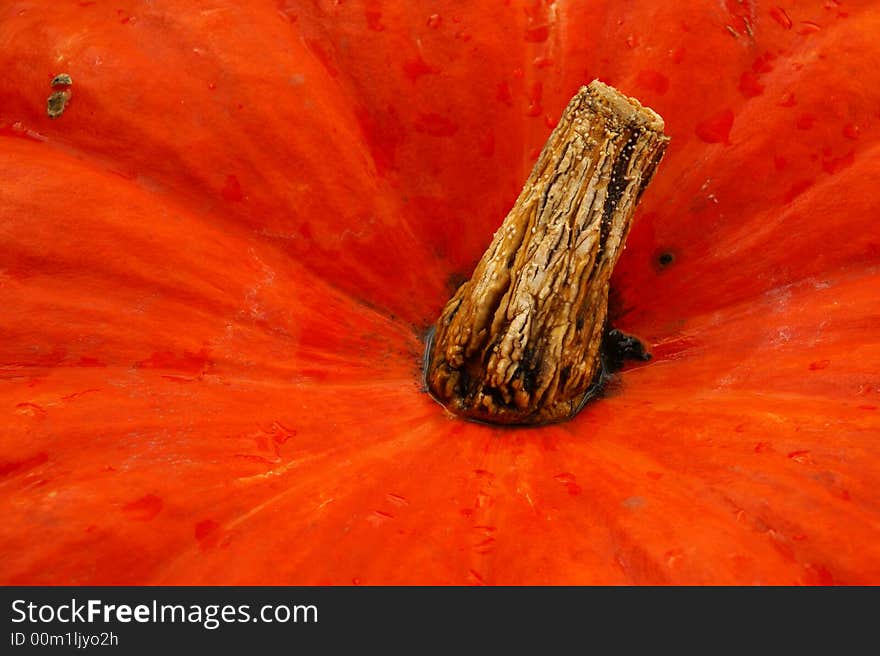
56	103
58	99
819	365
62	79
665	259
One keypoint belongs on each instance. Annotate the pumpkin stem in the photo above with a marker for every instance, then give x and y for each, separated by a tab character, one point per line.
521	342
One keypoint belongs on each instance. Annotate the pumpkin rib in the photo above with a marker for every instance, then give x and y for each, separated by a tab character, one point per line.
124	267
99	461
197	171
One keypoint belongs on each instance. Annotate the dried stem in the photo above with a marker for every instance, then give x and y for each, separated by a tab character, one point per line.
520	342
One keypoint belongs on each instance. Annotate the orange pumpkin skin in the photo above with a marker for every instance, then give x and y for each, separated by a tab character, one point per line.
216	264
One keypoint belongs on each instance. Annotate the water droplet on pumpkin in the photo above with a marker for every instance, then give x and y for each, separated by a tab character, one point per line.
232	189
434	21
835	164
802	457
397	499
805	121
653	81
787	100
415	68
537	33
808	27
851	131
749	86
716	129
374	20
477	578
208	533
778	14
143	509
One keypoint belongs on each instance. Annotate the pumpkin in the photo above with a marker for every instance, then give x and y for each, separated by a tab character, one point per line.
219	258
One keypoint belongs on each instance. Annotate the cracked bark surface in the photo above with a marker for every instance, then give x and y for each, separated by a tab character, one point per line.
520	342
